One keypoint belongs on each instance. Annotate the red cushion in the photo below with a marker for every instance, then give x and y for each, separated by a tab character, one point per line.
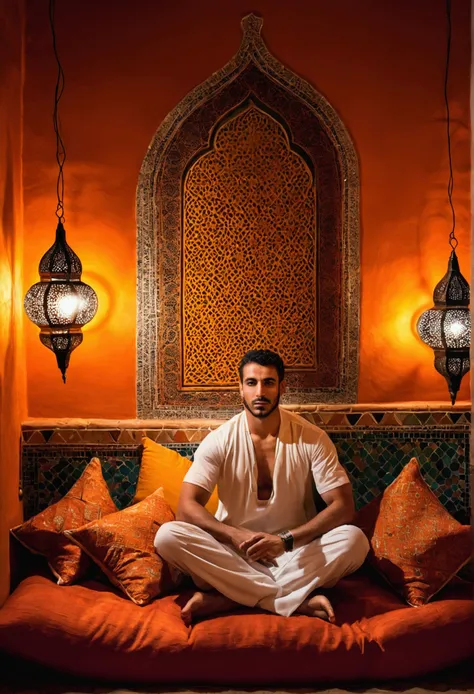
91	630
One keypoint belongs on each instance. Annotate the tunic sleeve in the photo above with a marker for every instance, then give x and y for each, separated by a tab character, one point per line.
208	458
328	472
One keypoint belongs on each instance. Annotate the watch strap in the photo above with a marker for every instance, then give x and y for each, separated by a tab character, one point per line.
288	540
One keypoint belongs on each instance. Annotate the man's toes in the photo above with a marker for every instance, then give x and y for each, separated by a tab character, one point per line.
321	614
326	605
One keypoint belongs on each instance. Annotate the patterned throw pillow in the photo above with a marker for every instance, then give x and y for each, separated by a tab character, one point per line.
416	544
121	544
89	499
163	467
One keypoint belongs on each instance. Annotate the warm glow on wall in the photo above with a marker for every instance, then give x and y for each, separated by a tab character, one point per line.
106	298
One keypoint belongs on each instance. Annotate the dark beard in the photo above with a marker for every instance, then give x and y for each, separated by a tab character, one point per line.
261	415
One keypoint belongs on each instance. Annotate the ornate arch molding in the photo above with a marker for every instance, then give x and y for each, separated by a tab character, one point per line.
254	83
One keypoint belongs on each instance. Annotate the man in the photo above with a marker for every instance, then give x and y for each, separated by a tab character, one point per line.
267	546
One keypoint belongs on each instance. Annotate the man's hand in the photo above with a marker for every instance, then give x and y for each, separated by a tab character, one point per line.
242	536
263	547
249	542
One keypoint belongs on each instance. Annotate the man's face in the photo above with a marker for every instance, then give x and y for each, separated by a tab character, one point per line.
260	389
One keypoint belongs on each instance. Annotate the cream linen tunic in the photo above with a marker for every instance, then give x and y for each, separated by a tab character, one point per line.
304	454
304	457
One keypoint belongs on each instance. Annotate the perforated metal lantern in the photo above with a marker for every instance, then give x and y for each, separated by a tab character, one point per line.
60	304
446	327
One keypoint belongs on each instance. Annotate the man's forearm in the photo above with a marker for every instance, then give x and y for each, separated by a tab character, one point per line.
331	517
197	515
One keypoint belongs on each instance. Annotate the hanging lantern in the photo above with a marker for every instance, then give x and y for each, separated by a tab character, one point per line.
60	304
446	327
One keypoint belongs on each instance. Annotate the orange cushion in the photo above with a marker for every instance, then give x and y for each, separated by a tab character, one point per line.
163	467
88	499
415	543
121	544
91	631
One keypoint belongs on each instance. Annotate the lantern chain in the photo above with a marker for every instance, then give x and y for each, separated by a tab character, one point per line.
453	242
60	149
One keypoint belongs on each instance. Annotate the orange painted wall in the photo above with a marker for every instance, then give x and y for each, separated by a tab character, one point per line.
380	63
12	364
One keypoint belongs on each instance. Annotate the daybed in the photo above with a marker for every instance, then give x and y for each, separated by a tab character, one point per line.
122	632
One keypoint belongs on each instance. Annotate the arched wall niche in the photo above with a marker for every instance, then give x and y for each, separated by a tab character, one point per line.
248	237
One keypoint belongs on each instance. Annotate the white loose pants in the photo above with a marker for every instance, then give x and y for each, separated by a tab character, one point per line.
280	589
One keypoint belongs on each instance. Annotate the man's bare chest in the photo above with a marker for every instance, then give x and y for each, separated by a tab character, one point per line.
265	462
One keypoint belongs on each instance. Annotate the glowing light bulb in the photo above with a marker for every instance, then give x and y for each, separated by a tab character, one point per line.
68	306
456	329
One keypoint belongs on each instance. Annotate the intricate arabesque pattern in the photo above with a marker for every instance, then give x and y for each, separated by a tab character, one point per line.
253	74
249	251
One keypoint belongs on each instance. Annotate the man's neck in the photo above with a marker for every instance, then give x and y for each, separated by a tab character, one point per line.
265	427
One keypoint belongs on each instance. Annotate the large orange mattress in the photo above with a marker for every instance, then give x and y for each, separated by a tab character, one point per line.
91	630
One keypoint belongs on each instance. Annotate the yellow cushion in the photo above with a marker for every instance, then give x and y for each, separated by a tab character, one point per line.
163	467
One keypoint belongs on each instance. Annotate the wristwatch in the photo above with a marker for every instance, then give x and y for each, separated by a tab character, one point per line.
288	540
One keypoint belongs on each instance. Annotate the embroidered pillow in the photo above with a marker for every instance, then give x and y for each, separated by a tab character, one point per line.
121	544
416	544
163	467
87	500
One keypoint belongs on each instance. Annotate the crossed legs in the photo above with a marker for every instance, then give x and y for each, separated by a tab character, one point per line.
283	589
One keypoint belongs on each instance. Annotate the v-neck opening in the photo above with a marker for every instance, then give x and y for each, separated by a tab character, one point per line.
254	465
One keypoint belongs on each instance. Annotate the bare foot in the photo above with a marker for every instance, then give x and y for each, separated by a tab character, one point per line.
317	606
205	605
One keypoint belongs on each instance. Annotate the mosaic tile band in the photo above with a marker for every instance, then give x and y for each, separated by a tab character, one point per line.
372	446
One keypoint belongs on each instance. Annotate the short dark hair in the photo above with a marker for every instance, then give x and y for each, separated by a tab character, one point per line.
264	357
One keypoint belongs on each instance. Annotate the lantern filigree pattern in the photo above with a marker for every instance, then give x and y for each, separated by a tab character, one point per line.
60	304
446	327
249	242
